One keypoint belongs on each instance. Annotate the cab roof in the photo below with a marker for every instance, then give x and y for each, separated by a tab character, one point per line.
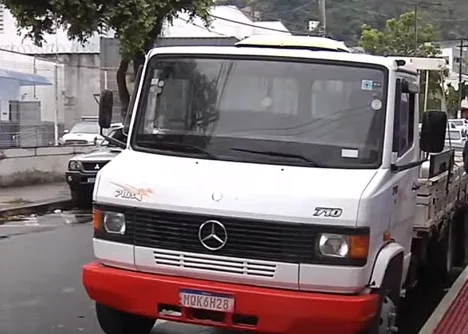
294	42
230	51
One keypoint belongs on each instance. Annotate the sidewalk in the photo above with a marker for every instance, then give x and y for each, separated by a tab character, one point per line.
33	199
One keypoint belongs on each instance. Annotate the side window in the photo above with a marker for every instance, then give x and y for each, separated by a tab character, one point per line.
403	127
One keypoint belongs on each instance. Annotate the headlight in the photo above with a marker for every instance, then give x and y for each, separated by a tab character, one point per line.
74	165
113	222
334	245
343	246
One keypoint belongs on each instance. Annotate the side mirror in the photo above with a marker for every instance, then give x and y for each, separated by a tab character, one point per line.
106	103
434	126
66	131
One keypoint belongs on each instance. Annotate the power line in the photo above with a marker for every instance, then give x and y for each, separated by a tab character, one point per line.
257	26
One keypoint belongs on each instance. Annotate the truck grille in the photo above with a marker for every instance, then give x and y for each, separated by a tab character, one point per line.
248	239
76	142
251	268
91	166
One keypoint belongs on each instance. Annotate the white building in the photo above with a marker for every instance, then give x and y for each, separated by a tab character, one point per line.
452	54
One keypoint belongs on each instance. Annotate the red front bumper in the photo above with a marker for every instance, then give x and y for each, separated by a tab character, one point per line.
276	311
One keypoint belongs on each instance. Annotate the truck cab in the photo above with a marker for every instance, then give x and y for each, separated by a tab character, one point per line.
270	189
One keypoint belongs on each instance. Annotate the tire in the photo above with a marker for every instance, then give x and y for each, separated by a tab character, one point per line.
81	198
384	321
113	321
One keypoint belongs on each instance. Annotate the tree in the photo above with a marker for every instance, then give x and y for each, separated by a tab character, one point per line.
398	38
137	24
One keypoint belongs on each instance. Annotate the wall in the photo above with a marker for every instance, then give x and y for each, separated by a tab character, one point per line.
9	90
81	74
36	165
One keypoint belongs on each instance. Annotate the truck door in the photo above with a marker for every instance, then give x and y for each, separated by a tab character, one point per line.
405	150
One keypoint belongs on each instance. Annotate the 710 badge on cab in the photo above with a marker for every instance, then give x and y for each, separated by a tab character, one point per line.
328	212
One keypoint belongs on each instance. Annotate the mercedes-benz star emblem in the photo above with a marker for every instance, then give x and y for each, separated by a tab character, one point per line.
212	235
97	166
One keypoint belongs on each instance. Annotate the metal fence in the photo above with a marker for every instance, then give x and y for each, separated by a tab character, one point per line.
17	135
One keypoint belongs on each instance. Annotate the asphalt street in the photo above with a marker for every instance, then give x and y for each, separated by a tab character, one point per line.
41	290
40	280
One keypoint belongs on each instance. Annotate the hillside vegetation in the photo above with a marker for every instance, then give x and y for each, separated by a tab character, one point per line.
346	17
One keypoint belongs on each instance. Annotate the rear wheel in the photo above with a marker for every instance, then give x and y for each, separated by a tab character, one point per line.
113	321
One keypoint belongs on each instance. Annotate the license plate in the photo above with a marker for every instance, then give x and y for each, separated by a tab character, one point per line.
91	179
207	301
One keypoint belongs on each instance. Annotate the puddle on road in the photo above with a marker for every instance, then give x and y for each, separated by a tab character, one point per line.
56	219
76	217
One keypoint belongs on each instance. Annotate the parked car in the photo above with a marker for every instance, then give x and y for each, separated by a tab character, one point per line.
83	133
461	124
457	139
83	168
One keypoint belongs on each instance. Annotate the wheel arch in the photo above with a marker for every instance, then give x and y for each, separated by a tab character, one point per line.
389	261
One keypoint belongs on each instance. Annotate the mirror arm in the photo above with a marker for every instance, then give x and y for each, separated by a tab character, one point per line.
397	169
117	142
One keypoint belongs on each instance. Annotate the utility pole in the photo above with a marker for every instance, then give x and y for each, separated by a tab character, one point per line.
416	5
416	27
323	17
460	75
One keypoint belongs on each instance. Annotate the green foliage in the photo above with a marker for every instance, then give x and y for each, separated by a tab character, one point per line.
346	17
137	22
399	38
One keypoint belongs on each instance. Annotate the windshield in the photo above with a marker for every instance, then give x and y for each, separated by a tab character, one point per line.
328	113
454	135
86	127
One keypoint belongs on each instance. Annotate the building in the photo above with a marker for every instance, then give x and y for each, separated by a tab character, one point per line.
30	99
91	67
80	63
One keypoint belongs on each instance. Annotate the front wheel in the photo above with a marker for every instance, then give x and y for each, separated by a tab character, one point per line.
81	197
384	321
113	321
385	318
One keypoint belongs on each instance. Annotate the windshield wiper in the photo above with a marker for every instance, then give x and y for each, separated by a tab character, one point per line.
279	154
164	145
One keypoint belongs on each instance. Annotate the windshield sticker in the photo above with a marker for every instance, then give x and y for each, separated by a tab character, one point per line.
367	85
376	105
347	153
376	85
128	192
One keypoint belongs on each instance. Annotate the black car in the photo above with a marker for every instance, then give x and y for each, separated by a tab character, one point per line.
83	168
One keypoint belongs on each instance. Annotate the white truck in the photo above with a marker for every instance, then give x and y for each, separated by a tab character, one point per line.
272	189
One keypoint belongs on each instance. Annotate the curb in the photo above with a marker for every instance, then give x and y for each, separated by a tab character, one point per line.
36	208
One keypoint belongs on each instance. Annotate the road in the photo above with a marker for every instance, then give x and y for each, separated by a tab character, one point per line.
40	280
41	290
